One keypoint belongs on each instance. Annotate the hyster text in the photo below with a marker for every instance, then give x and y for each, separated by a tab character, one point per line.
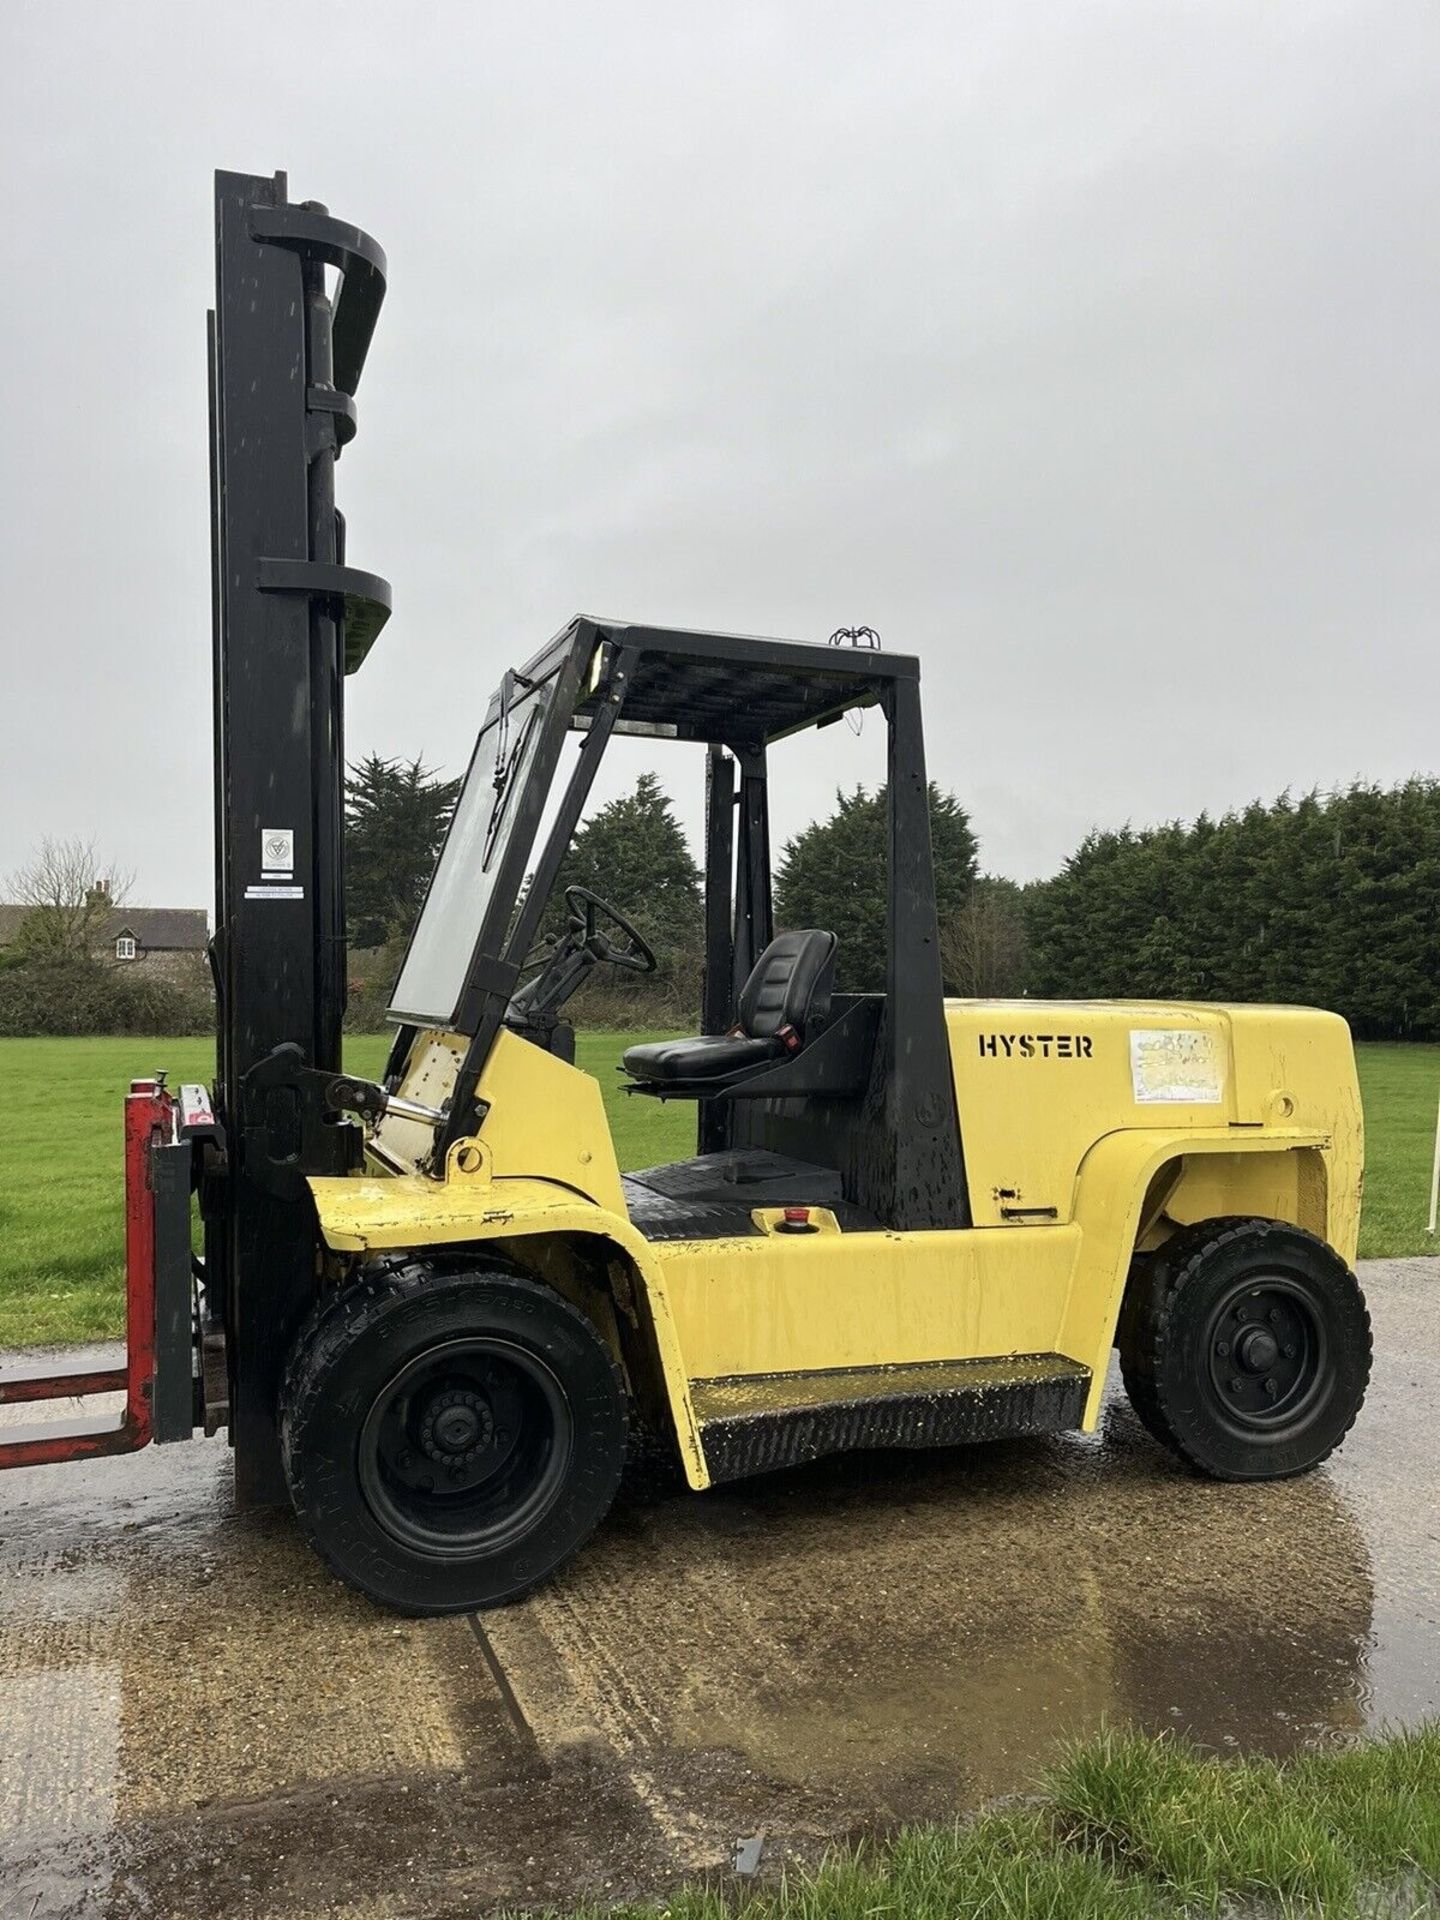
1030	1046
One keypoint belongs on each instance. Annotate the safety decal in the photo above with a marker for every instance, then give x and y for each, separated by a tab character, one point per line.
1177	1066
277	852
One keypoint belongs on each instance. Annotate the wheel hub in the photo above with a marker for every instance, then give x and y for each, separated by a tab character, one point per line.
455	1426
1257	1349
1265	1352
462	1443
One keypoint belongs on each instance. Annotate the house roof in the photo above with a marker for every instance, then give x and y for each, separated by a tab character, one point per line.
166	929
183	928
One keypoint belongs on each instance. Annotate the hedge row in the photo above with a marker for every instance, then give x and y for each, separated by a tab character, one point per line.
86	997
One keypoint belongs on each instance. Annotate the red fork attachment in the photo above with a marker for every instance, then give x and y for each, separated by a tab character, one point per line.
149	1123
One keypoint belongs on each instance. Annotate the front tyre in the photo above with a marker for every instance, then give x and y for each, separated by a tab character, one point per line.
450	1436
1246	1348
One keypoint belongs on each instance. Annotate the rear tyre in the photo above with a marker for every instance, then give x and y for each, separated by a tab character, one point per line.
450	1436
1245	1348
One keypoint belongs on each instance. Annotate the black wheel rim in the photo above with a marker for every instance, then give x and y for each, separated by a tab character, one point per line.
1265	1355
466	1447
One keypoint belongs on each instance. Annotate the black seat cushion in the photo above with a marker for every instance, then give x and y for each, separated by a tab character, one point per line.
789	985
703	1059
786	997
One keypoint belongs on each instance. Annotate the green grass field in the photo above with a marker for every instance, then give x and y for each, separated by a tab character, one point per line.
60	1177
1146	1829
1400	1086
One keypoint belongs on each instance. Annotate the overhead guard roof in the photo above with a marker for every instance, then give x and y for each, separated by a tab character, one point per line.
737	688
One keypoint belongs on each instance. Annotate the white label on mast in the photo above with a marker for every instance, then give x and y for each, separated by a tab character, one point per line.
277	852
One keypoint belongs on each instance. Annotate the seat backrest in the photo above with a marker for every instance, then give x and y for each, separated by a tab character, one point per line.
789	985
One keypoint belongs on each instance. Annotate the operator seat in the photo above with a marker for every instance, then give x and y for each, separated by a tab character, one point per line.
783	1003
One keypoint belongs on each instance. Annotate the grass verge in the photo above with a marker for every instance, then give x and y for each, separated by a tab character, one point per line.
61	1265
1130	1825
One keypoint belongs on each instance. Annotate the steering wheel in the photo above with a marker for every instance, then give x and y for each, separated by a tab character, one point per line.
636	956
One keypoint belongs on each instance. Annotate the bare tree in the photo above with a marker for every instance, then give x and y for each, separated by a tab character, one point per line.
983	945
69	896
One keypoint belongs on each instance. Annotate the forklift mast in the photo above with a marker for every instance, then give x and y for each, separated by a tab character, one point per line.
291	619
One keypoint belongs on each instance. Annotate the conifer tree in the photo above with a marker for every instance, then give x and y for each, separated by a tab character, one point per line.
1329	900
396	813
834	874
633	853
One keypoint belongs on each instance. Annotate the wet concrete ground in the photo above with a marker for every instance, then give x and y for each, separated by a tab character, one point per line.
195	1720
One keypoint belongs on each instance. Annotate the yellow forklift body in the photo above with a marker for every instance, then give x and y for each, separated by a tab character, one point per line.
1093	1129
1038	1083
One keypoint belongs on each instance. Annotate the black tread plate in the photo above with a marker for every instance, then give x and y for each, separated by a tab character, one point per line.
711	1197
755	1423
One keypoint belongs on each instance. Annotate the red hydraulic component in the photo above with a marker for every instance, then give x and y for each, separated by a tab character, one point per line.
149	1120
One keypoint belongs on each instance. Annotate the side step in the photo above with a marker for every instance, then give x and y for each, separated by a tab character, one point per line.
753	1423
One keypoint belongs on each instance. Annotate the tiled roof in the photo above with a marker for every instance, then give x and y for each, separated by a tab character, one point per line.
155	929
169	929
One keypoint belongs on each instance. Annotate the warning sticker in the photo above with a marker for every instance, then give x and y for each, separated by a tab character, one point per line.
277	851
1182	1067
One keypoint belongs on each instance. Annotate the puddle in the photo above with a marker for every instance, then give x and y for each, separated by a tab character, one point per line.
913	1635
195	1719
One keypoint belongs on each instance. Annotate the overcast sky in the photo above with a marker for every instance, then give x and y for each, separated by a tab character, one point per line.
1089	351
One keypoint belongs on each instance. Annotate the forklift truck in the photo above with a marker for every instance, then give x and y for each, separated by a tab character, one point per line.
433	1312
